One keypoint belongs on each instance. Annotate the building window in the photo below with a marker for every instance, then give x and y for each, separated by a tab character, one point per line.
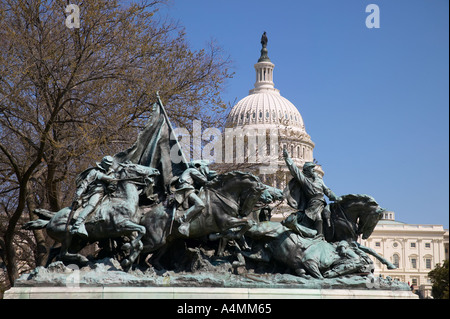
413	263
428	263
396	260
377	244
427	245
395	245
413	245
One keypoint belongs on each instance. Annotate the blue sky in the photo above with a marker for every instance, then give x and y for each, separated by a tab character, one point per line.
375	101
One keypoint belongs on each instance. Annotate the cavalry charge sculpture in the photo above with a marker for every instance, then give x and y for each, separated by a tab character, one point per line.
139	204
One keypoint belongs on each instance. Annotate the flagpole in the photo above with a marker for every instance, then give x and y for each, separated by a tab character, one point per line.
171	129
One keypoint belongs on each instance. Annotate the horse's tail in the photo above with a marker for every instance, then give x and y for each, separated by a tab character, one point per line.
44	218
44	214
36	224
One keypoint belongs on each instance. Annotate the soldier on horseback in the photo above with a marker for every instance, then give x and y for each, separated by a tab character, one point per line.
311	193
189	183
92	185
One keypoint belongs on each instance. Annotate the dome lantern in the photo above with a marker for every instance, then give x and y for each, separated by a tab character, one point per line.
264	70
264	104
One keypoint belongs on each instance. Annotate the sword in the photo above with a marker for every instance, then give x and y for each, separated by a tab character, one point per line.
174	210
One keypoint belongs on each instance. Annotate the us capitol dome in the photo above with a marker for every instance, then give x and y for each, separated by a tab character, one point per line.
264	109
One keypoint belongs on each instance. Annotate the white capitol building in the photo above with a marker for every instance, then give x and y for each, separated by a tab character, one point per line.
414	249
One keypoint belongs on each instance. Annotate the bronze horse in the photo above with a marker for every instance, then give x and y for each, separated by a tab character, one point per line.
293	242
117	215
354	215
305	256
229	199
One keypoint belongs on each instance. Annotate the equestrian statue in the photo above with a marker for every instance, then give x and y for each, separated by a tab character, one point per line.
141	206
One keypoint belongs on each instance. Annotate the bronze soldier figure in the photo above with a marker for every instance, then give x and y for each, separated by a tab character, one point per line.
92	185
312	190
191	181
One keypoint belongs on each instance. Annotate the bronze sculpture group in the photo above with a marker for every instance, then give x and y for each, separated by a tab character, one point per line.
139	203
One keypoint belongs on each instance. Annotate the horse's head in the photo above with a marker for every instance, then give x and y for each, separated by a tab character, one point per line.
250	197
244	188
369	221
130	170
271	194
363	210
366	227
136	174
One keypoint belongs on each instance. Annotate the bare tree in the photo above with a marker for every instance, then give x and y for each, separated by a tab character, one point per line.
70	96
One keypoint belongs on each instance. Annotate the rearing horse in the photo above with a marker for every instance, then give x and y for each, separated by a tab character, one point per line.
229	200
355	215
351	217
117	215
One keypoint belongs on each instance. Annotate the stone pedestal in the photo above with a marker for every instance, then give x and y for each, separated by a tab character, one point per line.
199	293
104	280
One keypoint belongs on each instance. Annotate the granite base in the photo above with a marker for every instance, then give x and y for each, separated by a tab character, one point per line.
199	293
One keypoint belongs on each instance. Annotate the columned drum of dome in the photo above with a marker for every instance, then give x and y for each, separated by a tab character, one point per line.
265	110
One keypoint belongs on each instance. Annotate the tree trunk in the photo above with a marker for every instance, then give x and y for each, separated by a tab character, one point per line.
10	251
